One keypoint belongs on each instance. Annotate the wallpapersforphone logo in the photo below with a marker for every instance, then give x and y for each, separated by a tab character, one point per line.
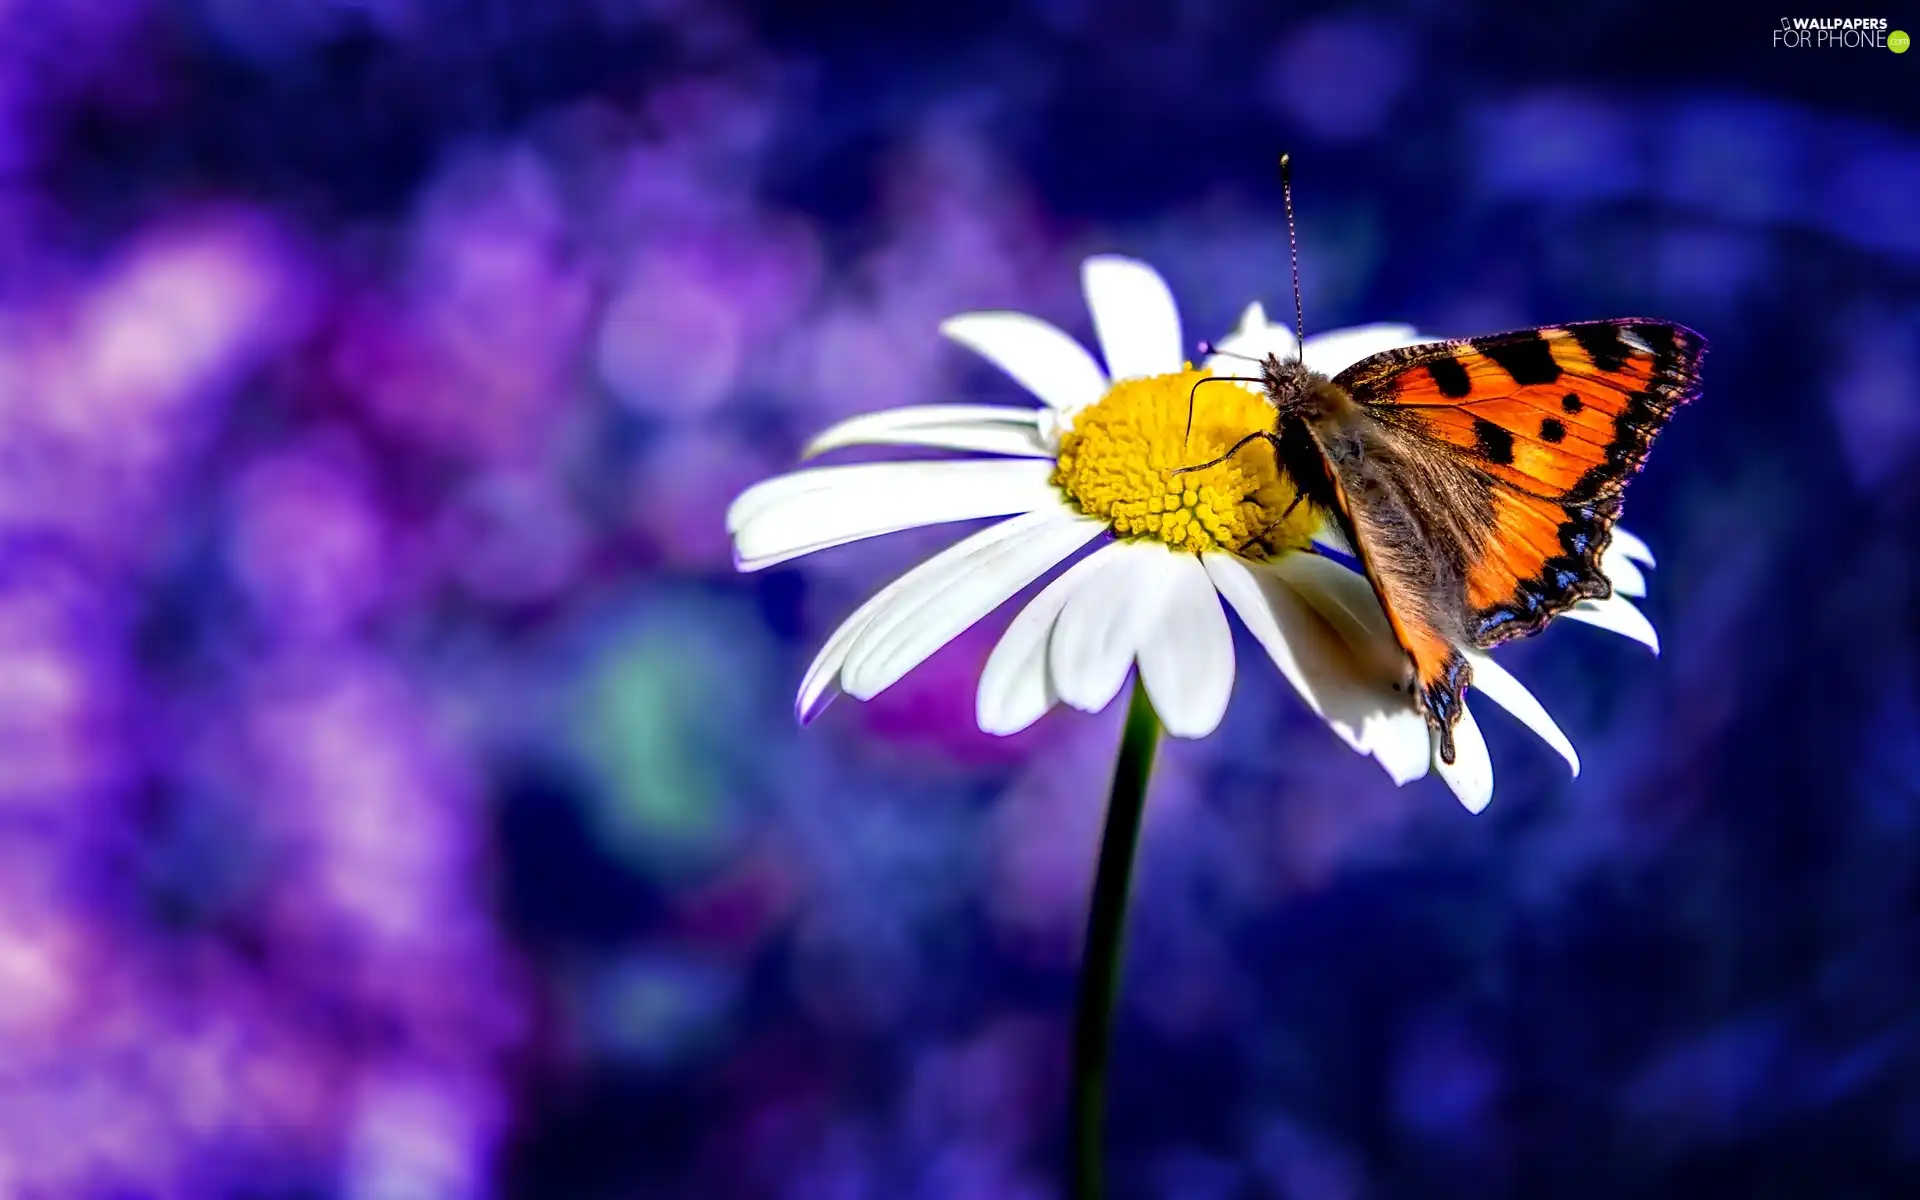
1839	33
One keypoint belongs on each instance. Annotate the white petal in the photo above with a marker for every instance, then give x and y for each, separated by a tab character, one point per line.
805	511
1279	620
1038	355
1397	733
1617	615
821	683
1347	600
1632	546
822	680
934	611
1341	683
1186	659
1134	316
1329	353
1014	441
1470	775
1333	352
769	494
1050	425
1618	568
1016	689
1497	684
1260	333
989	428
1104	623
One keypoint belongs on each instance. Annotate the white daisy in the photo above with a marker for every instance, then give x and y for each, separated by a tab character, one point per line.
1097	459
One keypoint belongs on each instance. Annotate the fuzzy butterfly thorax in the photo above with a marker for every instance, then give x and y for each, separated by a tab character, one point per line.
1297	391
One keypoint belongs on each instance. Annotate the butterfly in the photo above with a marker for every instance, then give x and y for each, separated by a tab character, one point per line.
1478	480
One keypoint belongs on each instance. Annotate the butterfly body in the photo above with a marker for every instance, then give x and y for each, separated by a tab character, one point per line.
1478	480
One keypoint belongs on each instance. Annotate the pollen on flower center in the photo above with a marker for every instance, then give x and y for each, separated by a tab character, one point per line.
1118	460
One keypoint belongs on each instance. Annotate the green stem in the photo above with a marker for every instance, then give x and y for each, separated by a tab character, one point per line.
1106	929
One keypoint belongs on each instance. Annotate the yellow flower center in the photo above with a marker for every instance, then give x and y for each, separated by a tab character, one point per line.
1118	462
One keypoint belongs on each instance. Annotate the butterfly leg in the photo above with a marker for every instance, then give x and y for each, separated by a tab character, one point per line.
1236	448
1260	539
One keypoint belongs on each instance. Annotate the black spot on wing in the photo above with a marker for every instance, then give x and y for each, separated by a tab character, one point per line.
1578	535
1450	377
1494	443
1663	340
1677	353
1643	416
1571	403
1552	431
1603	344
1527	358
1592	505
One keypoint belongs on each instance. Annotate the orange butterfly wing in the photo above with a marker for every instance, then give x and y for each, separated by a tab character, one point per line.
1558	419
1551	423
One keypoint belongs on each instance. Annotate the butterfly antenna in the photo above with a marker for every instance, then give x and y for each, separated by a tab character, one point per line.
1196	388
1209	350
1293	249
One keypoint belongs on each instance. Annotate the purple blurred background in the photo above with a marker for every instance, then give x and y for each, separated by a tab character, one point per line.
399	795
